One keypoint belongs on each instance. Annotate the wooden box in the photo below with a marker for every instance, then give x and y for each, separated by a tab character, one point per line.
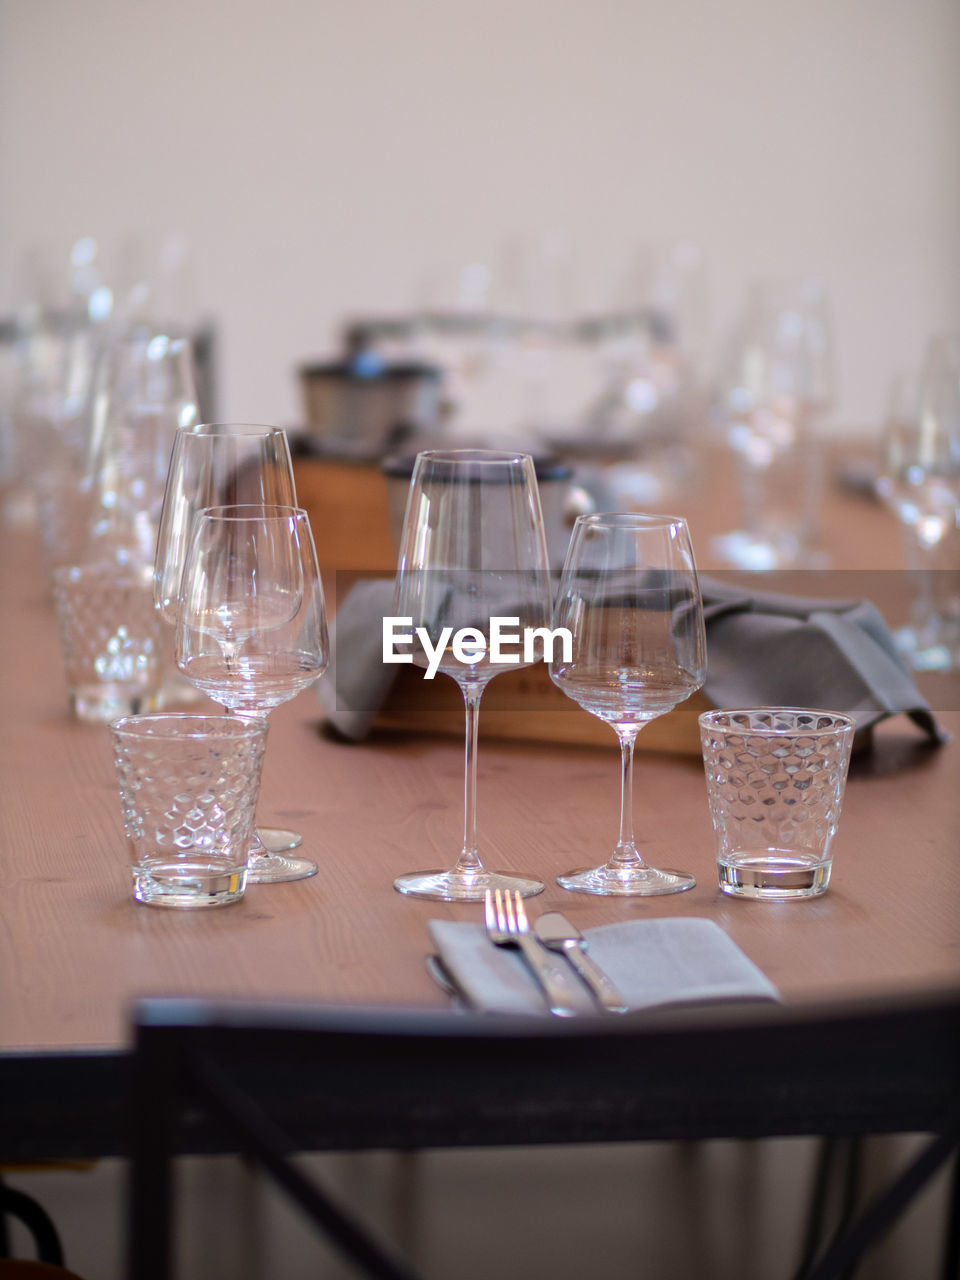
525	704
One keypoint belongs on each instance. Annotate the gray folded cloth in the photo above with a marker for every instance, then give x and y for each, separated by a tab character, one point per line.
654	963
357	679
763	649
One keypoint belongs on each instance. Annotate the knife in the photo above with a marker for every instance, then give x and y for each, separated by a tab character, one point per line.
556	932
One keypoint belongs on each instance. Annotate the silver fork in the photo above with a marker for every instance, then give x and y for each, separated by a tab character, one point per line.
505	918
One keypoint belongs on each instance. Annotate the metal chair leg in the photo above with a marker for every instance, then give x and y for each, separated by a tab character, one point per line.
849	1246
951	1250
35	1218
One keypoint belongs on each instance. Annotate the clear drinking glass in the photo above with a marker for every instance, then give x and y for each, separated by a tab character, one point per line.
251	625
213	465
630	597
188	789
920	481
472	548
110	639
775	782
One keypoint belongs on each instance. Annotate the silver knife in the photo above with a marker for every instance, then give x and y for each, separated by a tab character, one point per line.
556	932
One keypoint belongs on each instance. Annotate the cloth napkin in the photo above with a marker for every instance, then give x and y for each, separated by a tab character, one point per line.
654	963
763	649
766	649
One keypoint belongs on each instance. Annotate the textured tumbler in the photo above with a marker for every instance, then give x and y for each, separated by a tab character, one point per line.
775	780
110	636
188	789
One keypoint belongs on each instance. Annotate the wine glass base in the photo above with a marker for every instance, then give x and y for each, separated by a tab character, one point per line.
742	550
277	868
642	882
279	840
929	650
447	886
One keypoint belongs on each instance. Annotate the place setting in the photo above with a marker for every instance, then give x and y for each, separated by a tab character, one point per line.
621	630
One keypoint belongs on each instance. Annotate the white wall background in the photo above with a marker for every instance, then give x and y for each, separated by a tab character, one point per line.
320	155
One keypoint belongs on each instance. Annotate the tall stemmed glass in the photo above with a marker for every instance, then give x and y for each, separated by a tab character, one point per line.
630	597
251	626
472	548
212	465
777	382
920	480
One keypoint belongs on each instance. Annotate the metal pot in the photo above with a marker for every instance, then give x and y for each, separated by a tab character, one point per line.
361	407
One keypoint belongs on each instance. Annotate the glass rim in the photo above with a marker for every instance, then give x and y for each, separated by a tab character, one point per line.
477	457
232	428
628	520
714	720
138	726
258	511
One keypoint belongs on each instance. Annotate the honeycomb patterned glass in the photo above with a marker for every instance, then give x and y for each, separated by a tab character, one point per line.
110	637
188	791
775	781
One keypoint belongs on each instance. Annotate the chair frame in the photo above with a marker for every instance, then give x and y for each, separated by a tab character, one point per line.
275	1080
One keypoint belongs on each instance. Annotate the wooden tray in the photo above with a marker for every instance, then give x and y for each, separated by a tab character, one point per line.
525	704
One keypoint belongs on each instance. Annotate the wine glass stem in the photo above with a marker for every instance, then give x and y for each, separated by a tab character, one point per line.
469	860
754	486
625	855
257	847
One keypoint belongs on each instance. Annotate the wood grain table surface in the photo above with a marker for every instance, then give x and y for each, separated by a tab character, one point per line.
76	950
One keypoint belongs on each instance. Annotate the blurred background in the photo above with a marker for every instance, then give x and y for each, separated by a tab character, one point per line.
282	170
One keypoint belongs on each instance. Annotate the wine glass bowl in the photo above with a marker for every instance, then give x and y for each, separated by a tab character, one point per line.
215	465
472	550
251	625
630	599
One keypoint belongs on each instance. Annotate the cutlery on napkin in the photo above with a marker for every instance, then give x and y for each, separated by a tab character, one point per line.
654	964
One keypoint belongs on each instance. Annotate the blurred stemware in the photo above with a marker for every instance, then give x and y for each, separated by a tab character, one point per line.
472	548
920	481
630	597
251	624
213	465
777	382
145	392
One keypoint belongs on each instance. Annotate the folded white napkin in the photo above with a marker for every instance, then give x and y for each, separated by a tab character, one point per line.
654	963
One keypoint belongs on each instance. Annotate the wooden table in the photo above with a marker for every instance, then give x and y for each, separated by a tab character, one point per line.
76	951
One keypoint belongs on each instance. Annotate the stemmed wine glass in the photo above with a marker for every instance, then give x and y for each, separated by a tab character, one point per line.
212	465
630	597
777	382
472	548
251	625
920	480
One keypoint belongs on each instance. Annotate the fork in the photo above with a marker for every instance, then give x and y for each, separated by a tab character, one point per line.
505	918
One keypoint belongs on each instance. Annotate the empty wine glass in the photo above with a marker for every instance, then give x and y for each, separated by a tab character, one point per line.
777	381
472	549
630	597
211	465
251	624
214	465
920	481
